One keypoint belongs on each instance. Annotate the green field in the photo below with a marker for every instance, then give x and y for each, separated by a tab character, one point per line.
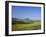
32	26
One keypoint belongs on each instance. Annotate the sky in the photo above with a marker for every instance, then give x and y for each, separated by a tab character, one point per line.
22	12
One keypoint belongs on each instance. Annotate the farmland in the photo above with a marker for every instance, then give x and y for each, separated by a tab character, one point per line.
35	25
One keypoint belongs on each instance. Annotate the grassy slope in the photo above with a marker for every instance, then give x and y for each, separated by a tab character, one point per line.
33	26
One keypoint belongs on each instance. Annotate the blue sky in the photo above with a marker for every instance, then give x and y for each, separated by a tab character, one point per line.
22	12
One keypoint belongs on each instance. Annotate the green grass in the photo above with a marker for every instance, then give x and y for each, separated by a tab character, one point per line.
33	26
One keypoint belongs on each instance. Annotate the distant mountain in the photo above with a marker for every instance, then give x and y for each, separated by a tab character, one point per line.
26	19
16	20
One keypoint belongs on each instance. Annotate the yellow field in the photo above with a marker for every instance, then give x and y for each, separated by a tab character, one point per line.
19	27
